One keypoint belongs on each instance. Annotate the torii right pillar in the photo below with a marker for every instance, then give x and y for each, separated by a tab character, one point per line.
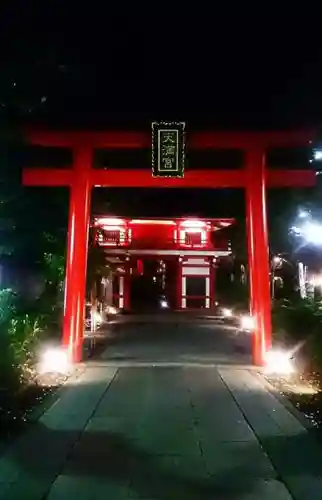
258	253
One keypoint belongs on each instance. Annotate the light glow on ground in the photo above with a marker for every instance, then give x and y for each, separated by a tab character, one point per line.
54	360
278	362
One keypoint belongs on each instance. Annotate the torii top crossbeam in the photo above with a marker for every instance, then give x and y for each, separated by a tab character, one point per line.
254	177
196	140
234	178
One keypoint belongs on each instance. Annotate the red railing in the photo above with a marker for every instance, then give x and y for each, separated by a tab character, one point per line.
170	244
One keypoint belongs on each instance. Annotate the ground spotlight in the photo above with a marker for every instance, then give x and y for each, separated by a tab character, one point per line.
111	310
54	360
227	313
317	154
247	322
278	362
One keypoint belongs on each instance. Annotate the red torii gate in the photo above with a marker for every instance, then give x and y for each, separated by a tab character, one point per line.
254	177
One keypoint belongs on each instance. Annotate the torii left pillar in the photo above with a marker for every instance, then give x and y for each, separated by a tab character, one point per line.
77	248
258	253
78	179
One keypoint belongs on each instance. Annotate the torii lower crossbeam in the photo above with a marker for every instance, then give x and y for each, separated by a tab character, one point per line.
254	178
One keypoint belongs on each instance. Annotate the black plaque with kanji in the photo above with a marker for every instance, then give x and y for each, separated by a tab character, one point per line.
168	149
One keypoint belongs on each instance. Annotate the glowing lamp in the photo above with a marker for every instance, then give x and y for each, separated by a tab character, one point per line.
317	154
109	221
193	224
247	322
111	310
278	362
227	313
54	360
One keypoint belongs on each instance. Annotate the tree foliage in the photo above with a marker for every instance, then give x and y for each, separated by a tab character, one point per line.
32	222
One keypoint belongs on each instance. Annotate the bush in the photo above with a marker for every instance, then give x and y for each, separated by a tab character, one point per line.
297	319
313	351
19	337
44	313
8	376
24	334
7	308
300	323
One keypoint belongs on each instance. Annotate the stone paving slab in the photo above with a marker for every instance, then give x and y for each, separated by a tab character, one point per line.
29	467
164	433
291	448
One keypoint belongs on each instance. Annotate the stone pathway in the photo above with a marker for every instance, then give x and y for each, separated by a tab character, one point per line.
186	342
164	433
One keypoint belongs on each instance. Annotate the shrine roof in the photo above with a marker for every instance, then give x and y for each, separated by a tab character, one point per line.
215	222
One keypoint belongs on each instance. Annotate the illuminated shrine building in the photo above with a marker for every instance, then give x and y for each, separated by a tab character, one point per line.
171	257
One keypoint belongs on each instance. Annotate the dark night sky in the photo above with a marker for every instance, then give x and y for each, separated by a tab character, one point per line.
122	67
221	67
